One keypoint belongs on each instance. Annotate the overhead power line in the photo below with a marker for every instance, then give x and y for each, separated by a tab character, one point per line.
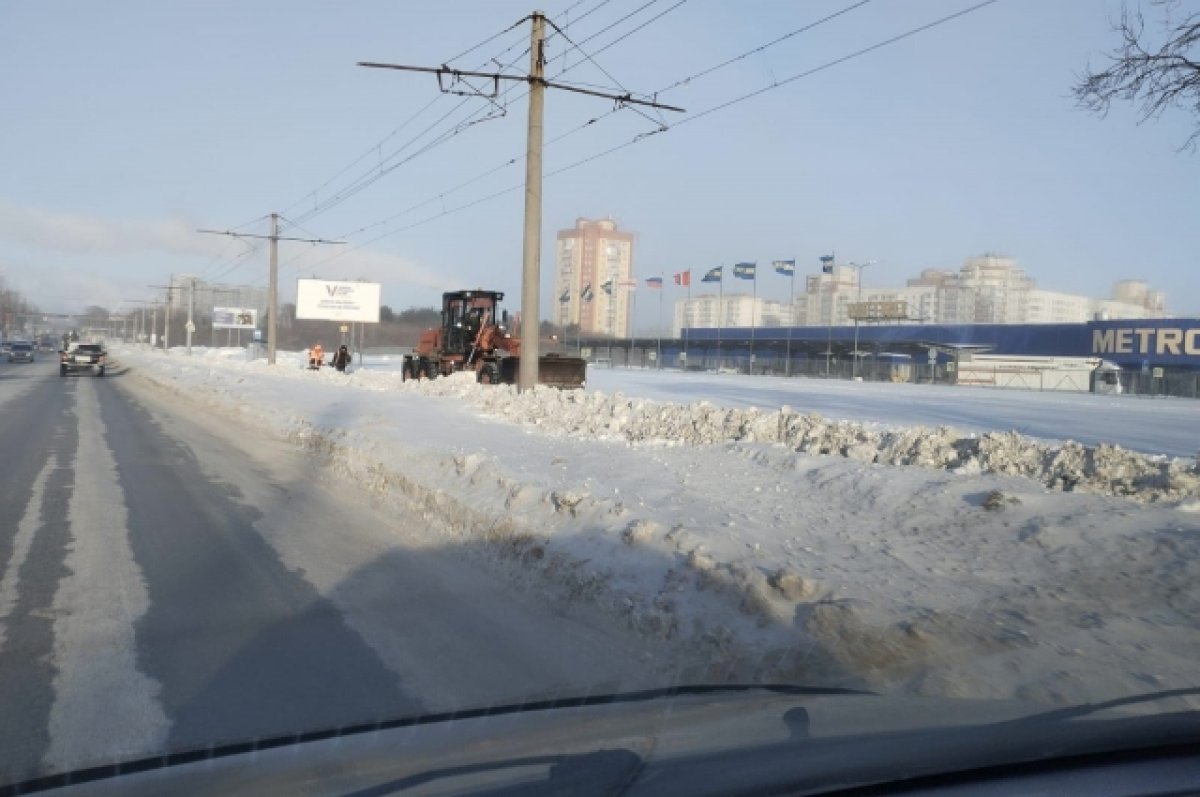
617	109
377	172
377	148
642	137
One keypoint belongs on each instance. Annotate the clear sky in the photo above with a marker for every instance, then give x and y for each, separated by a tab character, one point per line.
126	125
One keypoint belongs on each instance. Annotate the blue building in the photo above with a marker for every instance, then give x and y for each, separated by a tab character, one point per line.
1134	344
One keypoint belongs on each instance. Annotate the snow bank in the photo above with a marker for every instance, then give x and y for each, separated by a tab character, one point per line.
772	545
1104	469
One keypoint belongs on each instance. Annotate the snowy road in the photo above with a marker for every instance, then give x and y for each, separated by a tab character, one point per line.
166	581
1151	425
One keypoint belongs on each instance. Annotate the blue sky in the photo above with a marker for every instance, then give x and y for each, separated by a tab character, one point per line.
129	124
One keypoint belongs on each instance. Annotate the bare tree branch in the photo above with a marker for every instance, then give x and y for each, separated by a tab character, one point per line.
1156	77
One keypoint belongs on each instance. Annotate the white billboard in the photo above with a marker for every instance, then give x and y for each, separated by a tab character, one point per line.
338	301
234	318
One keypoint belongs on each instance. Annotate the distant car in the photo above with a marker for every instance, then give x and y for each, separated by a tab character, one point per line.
5	346
20	352
83	357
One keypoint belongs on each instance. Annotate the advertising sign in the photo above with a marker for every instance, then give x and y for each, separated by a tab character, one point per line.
338	301
234	318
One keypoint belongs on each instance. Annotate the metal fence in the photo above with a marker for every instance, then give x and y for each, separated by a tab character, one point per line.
1184	384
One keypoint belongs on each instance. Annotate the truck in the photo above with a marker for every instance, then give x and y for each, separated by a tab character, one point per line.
473	335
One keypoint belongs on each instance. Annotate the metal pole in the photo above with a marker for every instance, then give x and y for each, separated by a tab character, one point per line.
531	255
791	320
167	319
191	314
658	343
273	289
854	365
687	309
720	312
828	323
632	321
753	316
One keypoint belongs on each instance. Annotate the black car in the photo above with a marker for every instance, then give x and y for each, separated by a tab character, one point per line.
83	357
20	352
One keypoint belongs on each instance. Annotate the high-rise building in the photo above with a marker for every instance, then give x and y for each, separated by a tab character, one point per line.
711	311
989	289
593	277
827	296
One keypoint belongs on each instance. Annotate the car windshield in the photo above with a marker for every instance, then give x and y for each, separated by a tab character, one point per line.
379	360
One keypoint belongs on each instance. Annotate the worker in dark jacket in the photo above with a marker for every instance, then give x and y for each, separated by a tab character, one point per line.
341	359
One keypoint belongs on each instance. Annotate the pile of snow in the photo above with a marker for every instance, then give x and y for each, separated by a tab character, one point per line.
771	545
1104	469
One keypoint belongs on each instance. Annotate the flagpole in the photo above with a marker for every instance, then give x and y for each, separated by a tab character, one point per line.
829	325
720	313
791	320
753	317
658	343
688	307
632	323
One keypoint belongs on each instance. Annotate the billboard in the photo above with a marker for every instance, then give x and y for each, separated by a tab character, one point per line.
234	318
878	311
338	301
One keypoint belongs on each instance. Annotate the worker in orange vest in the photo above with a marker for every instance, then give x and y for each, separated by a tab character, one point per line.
316	357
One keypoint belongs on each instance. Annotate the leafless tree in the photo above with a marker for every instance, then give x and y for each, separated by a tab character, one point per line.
1157	72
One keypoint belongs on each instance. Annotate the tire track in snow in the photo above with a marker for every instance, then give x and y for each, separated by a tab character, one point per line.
104	706
27	526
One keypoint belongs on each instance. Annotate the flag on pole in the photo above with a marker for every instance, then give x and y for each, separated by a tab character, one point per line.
629	284
586	294
565	296
785	267
713	275
827	264
607	287
684	278
654	282
745	271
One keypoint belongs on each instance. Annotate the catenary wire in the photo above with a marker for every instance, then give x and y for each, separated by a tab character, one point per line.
691	118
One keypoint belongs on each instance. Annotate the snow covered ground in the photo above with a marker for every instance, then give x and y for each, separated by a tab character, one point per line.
1152	425
771	543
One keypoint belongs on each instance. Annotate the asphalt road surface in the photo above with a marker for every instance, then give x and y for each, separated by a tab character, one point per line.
170	580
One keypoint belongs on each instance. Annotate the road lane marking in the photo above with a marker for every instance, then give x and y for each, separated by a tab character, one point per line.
104	706
31	521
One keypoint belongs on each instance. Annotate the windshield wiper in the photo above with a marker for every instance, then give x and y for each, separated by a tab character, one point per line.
1084	709
146	764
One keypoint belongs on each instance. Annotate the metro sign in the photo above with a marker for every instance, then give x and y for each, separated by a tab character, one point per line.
1173	341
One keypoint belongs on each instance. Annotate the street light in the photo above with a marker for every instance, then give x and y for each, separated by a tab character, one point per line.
858	271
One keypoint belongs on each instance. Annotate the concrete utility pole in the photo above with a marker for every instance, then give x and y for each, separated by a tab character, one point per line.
531	247
273	292
531	262
273	278
167	317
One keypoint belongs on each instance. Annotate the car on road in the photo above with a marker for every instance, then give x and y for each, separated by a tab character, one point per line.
20	352
83	357
5	346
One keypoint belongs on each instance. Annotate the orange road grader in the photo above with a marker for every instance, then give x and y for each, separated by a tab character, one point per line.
473	335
